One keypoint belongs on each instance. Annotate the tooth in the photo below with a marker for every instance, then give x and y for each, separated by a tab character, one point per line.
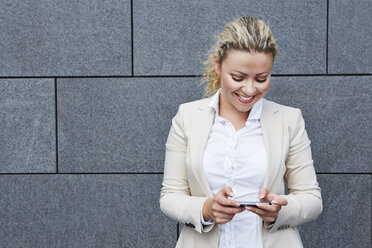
246	98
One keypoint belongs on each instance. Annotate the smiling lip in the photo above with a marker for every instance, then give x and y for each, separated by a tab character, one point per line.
245	101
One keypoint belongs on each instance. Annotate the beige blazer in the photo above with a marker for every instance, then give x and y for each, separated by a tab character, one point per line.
185	187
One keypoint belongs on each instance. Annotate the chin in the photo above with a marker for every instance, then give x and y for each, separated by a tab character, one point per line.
245	111
242	109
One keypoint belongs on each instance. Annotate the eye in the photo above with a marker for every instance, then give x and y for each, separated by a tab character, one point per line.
236	79
261	81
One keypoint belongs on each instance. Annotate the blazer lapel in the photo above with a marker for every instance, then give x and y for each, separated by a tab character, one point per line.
202	126
271	124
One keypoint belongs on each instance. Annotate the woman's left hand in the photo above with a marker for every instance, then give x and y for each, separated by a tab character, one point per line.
268	212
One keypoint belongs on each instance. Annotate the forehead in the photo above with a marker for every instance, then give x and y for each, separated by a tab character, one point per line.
247	61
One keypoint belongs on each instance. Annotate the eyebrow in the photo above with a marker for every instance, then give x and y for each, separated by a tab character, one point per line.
247	74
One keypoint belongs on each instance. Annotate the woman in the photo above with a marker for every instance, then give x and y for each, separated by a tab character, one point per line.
236	146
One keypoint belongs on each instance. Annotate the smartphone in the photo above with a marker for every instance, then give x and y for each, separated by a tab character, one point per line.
249	203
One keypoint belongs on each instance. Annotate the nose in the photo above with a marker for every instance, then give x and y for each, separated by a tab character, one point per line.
249	88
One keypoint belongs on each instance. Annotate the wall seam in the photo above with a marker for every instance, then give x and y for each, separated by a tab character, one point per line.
188	76
81	173
131	35
327	71
147	173
56	120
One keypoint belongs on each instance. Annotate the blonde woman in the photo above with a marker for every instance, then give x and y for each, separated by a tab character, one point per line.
235	146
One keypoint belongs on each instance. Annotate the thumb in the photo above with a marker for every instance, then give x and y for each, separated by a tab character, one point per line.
227	191
263	193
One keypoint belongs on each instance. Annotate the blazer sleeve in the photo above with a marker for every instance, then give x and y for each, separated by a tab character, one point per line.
304	196
175	197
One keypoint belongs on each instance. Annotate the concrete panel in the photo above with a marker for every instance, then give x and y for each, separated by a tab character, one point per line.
337	113
350	35
107	125
83	211
27	125
173	37
61	38
346	217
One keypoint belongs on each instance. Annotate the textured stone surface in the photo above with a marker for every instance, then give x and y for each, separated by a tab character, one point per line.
83	211
46	38
350	35
337	113
27	125
346	217
173	38
110	125
121	124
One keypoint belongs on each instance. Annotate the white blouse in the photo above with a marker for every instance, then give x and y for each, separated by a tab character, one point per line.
237	159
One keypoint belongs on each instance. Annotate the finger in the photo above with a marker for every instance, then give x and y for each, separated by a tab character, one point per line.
227	191
262	213
227	210
271	197
220	218
262	193
277	200
219	215
269	208
267	196
223	200
232	210
228	202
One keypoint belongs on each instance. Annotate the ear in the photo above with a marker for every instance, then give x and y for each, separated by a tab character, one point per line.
217	66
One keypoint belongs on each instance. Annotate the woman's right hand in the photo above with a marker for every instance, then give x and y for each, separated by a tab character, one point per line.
220	208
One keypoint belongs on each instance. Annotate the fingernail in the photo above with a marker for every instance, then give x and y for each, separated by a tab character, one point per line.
259	204
275	202
248	208
262	196
231	194
237	204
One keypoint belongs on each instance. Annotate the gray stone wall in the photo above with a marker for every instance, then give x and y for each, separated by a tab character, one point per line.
88	89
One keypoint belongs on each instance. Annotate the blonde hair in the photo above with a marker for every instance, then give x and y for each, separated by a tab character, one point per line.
245	33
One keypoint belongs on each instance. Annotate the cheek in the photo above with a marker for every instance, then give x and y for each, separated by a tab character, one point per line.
226	84
265	88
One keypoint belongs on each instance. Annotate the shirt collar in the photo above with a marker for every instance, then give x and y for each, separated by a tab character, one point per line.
254	114
215	100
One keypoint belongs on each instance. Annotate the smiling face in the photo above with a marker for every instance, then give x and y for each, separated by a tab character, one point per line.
245	78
